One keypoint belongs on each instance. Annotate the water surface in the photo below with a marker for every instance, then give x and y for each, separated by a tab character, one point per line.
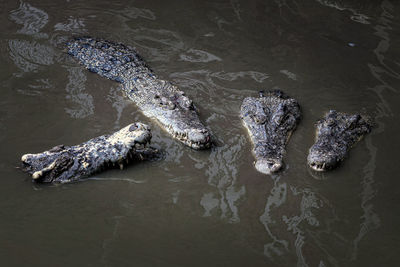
207	208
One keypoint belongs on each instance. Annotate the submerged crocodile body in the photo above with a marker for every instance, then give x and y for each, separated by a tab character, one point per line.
69	163
270	120
156	98
336	133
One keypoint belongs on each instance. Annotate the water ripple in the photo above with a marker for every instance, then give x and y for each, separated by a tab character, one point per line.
194	55
275	199
33	19
160	44
370	219
75	25
231	76
356	16
222	174
76	93
28	56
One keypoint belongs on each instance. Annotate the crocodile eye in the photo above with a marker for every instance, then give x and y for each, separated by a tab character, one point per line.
330	122
259	119
165	103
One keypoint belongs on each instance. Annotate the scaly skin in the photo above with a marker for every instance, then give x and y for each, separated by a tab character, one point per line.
65	164
336	133
156	98
270	120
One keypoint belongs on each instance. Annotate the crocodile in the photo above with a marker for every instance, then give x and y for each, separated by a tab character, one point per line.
63	164
336	133
270	120
156	98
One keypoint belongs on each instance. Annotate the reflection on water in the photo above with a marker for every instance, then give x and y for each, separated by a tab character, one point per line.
290	5
382	72
209	202
134	13
274	200
72	25
236	8
129	180
28	56
159	44
36	88
369	219
341	5
118	102
289	74
211	84
222	174
194	55
83	102
308	202
33	19
218	52
231	76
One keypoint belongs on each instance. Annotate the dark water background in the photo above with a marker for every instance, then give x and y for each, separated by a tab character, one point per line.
207	208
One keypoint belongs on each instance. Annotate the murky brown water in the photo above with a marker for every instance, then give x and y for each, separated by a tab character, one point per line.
207	208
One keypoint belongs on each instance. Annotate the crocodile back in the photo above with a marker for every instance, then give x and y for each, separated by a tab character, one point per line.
114	61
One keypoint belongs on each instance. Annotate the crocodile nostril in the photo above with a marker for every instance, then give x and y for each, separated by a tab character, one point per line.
171	105
276	166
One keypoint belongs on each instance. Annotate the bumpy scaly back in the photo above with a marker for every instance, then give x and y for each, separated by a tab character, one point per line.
114	61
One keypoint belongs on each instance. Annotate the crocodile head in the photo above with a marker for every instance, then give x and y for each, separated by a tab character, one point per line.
270	119
172	109
67	163
336	133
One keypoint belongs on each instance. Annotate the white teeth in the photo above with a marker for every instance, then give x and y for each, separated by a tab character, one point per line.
318	167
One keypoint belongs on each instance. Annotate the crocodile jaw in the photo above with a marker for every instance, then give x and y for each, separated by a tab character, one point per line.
322	160
194	138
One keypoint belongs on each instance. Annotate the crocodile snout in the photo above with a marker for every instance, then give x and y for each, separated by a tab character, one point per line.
268	166
199	138
320	161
